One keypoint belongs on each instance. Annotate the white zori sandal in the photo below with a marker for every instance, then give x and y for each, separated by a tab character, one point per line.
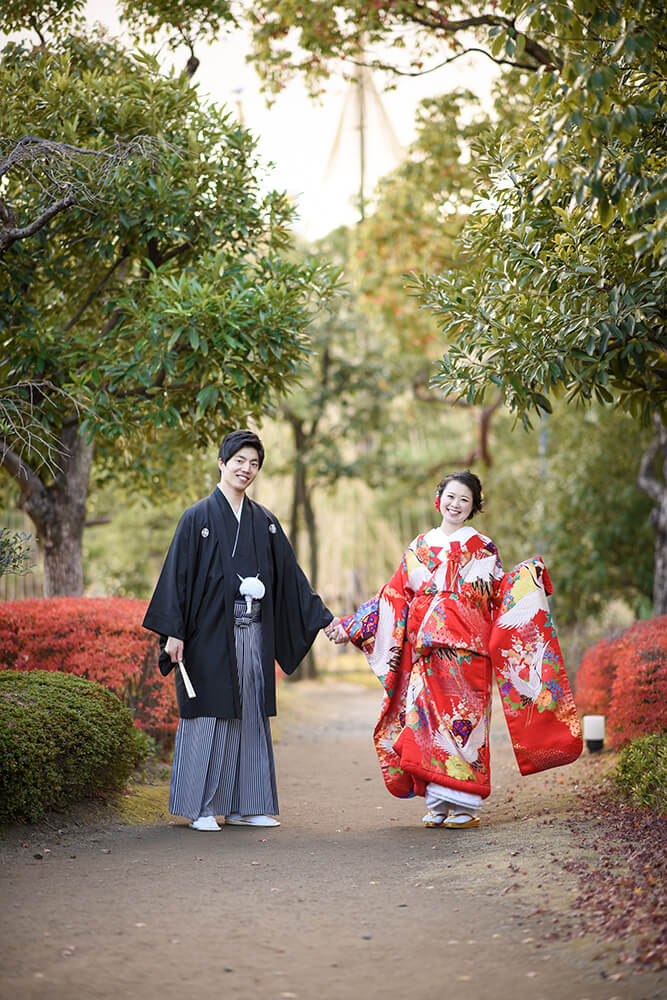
235	819
205	823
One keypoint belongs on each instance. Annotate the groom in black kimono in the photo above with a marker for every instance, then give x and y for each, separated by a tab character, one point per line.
230	601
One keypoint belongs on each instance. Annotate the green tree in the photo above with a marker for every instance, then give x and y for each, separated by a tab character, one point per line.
568	232
14	551
316	39
180	22
166	310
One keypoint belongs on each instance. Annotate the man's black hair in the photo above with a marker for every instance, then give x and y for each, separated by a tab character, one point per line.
236	440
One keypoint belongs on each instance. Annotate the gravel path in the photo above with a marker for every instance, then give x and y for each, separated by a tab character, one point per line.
350	898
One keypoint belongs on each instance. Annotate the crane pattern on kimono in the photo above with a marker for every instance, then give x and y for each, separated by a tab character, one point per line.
428	635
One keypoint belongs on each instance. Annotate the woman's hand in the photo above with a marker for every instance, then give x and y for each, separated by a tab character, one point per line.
336	633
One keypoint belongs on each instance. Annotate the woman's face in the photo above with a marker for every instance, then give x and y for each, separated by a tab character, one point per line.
455	504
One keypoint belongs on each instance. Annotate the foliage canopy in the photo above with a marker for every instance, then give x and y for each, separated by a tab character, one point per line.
569	232
175	303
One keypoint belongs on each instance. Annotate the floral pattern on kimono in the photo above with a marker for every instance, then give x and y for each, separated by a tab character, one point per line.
428	635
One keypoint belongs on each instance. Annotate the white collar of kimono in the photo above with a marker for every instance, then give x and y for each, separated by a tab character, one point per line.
237	513
436	536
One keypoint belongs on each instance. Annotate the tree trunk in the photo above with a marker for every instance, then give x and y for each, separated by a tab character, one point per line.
311	531
660	572
309	665
301	501
58	512
653	480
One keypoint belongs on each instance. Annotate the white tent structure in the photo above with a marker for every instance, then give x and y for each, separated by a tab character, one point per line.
364	148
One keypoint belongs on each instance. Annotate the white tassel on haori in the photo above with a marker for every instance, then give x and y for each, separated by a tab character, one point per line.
251	587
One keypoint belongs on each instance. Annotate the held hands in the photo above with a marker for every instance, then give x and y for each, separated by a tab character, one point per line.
174	649
336	633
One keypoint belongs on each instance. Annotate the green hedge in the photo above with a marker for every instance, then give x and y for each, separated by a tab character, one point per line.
62	739
641	773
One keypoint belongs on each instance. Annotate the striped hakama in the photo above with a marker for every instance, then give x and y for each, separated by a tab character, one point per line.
224	766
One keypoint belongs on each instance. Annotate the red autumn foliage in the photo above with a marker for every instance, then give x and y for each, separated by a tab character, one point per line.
625	678
639	691
97	638
595	677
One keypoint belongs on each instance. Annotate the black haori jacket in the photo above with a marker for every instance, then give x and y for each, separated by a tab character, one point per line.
194	601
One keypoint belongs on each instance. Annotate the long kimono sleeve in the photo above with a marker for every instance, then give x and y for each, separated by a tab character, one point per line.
167	612
378	626
525	654
299	613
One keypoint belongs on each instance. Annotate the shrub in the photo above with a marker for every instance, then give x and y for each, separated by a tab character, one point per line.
62	739
639	691
641	773
98	638
595	677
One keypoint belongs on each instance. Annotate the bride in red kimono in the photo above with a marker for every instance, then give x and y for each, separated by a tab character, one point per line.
434	635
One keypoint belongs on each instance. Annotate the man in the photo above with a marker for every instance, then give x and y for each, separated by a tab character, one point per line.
230	601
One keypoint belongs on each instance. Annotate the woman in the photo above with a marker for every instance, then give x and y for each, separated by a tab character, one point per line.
430	635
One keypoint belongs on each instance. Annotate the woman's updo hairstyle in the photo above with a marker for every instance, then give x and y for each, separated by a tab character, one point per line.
468	479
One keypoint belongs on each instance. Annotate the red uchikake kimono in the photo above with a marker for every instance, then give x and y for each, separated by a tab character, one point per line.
434	634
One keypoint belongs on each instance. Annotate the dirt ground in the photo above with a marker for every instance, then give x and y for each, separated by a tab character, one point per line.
350	898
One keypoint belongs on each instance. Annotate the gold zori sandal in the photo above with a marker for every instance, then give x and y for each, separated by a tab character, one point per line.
459	820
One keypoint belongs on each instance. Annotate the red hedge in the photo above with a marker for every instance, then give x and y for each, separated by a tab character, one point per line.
625	678
595	677
639	691
98	638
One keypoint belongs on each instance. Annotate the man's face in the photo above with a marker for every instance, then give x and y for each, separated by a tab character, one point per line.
240	471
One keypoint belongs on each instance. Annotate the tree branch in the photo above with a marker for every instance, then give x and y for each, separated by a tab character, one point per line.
145	392
95	292
541	55
13	464
422	72
10	234
175	252
7	215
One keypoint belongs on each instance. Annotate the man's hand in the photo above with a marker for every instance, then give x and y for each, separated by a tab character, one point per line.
336	633
174	649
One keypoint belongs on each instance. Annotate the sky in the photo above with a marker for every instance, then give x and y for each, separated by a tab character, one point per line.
298	135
